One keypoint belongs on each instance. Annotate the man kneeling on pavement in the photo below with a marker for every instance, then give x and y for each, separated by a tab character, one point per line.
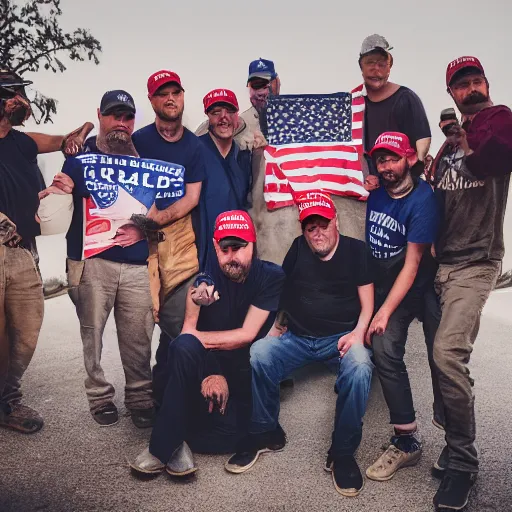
210	358
328	301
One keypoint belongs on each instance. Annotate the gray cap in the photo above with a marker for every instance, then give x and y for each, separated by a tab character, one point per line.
375	42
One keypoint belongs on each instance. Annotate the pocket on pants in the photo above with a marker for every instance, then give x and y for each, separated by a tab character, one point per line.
74	270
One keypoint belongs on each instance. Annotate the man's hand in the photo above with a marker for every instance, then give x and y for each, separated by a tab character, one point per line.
377	326
127	235
204	295
457	137
215	389
277	330
74	142
156	215
352	338
8	234
61	184
371	183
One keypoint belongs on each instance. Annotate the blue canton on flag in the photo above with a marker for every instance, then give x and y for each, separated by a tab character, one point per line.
309	118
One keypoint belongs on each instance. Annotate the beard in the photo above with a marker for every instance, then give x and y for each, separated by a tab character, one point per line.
16	110
475	98
236	271
119	142
163	116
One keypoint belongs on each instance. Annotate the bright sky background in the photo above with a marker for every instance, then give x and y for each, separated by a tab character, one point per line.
314	45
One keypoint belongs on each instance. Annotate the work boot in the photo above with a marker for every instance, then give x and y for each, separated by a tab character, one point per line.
253	446
143	418
182	461
404	450
20	418
106	415
147	464
454	491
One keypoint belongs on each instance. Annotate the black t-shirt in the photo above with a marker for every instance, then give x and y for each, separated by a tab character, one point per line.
136	254
321	298
402	112
20	182
262	288
188	152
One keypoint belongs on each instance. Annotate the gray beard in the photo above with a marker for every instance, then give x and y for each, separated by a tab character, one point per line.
117	143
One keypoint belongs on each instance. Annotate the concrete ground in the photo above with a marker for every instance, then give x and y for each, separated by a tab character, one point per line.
74	465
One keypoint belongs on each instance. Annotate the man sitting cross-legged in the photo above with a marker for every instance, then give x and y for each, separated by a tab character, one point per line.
210	358
328	302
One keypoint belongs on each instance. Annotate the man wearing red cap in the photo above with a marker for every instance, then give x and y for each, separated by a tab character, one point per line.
228	307
471	175
401	226
327	301
174	254
229	168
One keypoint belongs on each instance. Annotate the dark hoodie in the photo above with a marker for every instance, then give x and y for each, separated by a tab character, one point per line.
473	190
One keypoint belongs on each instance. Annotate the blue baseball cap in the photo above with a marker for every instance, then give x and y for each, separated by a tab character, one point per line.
116	100
262	68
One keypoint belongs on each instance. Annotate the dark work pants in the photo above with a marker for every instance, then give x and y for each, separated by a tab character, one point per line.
183	414
389	351
172	314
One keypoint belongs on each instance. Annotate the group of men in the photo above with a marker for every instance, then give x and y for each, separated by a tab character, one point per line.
234	326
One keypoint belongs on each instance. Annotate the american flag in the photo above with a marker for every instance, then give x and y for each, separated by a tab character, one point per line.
314	143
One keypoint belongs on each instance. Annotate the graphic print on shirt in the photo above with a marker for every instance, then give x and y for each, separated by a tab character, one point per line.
386	235
454	174
118	187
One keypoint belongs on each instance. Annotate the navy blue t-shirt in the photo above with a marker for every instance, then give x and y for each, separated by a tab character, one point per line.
392	223
262	288
20	182
188	152
226	185
135	254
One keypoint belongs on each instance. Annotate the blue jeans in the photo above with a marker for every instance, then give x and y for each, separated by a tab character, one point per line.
273	358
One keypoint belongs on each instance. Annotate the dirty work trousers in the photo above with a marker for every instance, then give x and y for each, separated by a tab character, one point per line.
103	285
21	316
463	290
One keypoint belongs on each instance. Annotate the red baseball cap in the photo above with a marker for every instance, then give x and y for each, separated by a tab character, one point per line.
162	77
315	203
220	96
461	63
234	224
395	142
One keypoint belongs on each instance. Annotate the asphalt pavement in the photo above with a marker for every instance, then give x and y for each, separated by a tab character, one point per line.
75	465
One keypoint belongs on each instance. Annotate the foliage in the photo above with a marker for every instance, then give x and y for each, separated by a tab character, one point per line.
31	38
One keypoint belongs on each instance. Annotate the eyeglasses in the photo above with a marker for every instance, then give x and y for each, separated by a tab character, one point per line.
163	94
10	91
384	160
464	84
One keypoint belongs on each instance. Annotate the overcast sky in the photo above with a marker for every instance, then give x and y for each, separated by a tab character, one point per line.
315	47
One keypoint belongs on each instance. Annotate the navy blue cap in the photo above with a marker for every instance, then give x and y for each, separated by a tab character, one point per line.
262	68
116	100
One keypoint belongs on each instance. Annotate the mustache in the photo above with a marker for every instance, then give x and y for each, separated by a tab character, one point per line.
475	98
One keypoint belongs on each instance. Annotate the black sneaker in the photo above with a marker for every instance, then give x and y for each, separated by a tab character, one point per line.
143	418
253	446
328	463
441	464
453	493
106	415
347	477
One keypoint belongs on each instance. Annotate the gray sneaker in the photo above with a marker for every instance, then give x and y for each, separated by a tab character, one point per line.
385	467
182	462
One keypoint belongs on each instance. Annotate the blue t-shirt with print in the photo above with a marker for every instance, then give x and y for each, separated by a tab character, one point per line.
188	152
136	254
391	224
